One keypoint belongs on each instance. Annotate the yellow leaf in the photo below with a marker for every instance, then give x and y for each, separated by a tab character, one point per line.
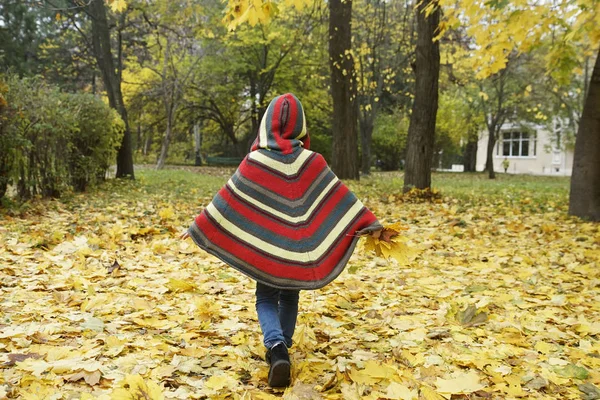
462	383
219	382
361	377
177	285
118	5
166	213
154	323
544	348
135	388
397	391
396	246
378	370
429	394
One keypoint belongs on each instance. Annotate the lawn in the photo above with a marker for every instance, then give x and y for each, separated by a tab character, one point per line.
498	299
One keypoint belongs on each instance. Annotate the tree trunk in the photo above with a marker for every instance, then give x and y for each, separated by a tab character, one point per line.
366	135
162	158
147	143
470	155
112	83
489	161
421	131
584	198
343	91
197	144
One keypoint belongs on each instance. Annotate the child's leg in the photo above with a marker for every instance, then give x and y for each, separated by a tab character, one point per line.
267	299
288	312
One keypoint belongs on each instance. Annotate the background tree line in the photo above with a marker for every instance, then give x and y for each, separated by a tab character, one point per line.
376	77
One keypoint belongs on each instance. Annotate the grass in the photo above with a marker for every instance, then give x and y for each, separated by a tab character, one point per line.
536	193
198	185
527	192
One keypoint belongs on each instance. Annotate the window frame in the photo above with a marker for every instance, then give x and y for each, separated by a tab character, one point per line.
516	142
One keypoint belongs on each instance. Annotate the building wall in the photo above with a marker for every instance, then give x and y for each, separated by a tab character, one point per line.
545	161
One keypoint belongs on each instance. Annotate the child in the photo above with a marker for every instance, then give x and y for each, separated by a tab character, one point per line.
285	220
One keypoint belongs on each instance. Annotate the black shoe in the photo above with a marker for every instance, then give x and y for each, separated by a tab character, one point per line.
279	373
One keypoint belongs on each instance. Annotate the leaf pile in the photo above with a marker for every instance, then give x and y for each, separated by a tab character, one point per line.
99	299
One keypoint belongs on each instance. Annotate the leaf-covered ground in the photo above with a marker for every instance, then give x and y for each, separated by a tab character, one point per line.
500	300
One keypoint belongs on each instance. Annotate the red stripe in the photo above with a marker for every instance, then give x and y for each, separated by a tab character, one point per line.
288	134
276	125
273	267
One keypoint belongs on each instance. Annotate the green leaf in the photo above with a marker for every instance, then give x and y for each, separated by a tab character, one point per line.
590	391
574	371
469	316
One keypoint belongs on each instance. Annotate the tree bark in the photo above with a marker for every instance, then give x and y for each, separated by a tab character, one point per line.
162	158
421	130
366	136
112	83
584	198
489	162
470	155
343	91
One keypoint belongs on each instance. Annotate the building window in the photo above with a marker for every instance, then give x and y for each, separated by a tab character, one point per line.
517	144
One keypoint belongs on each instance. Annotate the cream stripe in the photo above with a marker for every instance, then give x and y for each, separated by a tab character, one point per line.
303	133
262	132
280	252
284	216
287	169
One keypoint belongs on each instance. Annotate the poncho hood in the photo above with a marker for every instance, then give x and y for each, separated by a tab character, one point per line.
284	218
283	127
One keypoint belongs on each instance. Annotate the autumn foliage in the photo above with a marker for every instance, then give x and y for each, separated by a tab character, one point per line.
497	299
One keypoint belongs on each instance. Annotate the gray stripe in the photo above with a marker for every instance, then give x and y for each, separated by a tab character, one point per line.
277	197
292	244
280	283
282	158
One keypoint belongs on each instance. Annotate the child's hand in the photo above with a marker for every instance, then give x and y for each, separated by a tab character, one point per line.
385	235
184	235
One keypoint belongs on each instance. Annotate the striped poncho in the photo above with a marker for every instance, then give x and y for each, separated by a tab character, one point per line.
284	218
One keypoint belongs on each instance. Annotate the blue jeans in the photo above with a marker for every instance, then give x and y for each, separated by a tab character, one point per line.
277	311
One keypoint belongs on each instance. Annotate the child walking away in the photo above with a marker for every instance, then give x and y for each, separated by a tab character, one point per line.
285	220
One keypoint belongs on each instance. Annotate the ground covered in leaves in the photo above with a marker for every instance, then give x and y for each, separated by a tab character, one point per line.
499	299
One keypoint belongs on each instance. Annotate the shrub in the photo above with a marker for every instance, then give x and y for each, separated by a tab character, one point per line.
94	139
50	141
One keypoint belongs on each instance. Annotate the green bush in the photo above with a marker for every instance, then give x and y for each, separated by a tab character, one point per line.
51	142
389	140
94	139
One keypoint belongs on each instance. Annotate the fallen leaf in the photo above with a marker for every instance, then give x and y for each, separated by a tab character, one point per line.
461	383
134	387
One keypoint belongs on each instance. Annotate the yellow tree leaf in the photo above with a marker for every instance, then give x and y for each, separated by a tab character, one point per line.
118	5
135	388
178	285
462	383
398	391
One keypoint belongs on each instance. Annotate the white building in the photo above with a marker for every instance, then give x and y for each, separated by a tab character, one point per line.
528	150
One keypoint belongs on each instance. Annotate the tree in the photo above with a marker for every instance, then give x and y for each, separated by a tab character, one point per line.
523	26
111	76
382	36
173	54
343	91
20	36
584	198
421	131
